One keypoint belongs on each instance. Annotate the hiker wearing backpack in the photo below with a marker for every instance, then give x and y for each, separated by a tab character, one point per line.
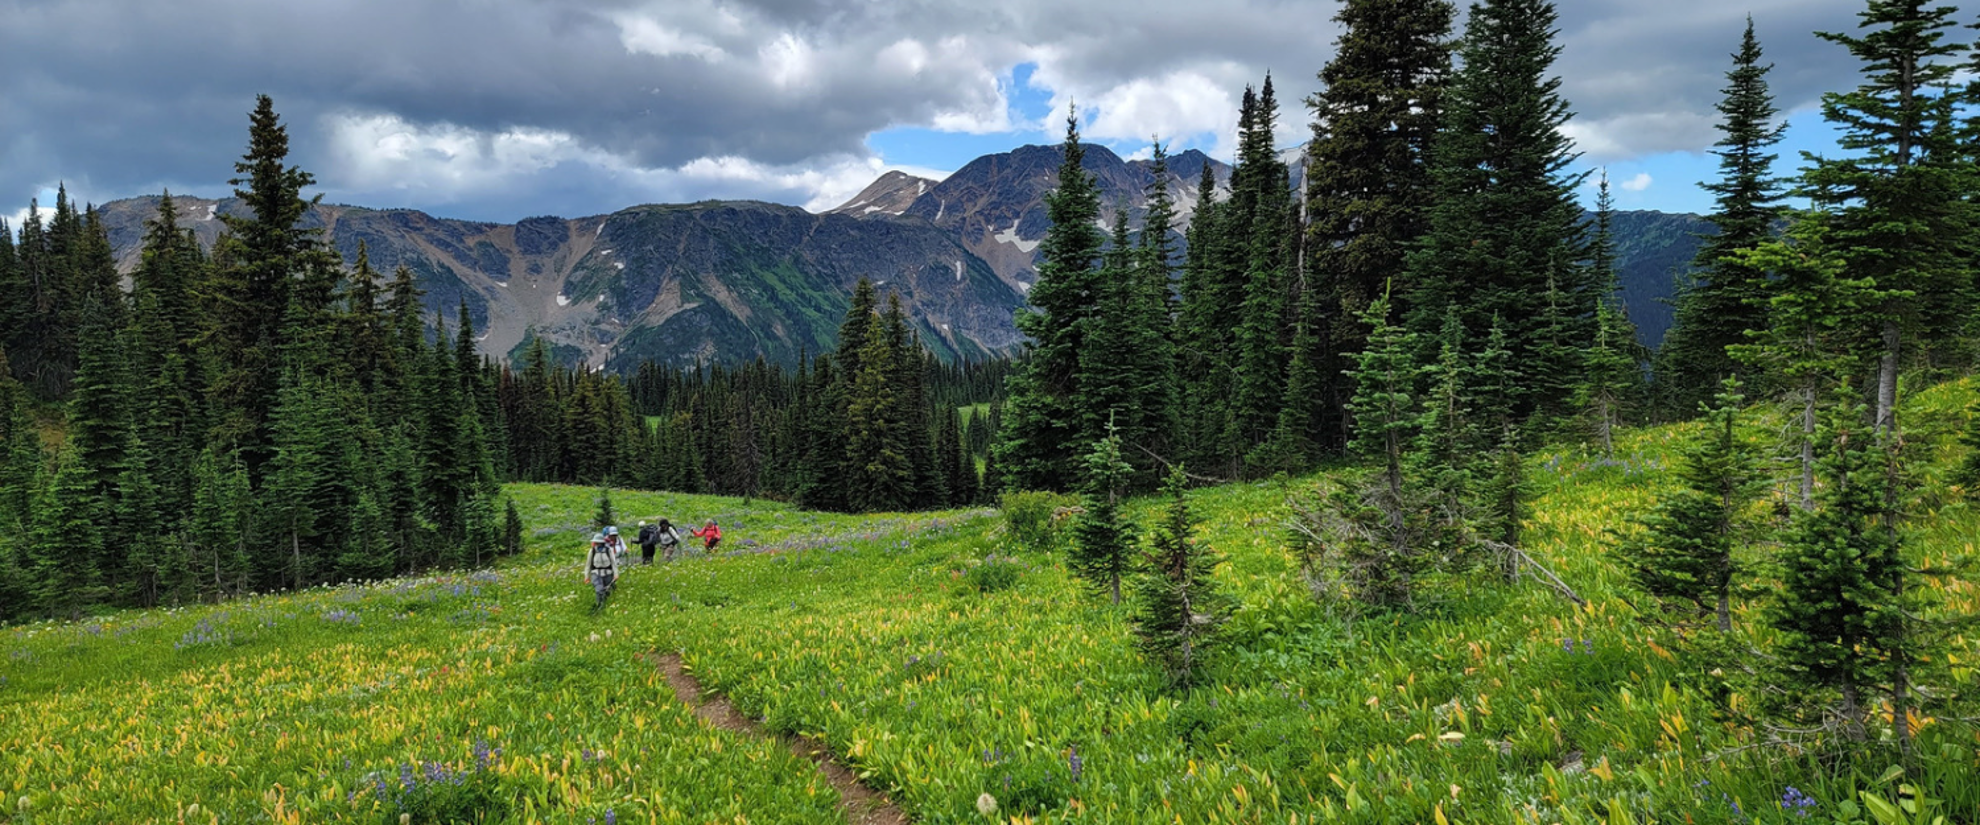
601	568
616	542
710	535
648	537
670	539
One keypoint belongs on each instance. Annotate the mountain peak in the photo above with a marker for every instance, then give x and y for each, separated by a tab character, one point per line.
891	194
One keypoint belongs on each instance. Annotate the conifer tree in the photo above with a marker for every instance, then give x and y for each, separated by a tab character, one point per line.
1368	185
221	527
64	554
1897	214
1445	449
1387	417
1262	344
1107	370
1847	596
1103	536
1042	416
267	252
1608	373
512	528
879	472
1155	387
1726	300
21	467
604	517
1810	341
1178	606
1504	234
15	297
1684	555
1203	334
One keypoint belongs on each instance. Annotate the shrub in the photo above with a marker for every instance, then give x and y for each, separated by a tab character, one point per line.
992	574
1031	519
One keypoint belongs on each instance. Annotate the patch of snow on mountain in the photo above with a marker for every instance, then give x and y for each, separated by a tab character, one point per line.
1010	236
872	209
604	251
920	188
941	209
563	301
212	209
619	264
959	270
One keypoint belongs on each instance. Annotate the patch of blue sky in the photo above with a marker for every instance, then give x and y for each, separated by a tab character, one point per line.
1031	116
1669	181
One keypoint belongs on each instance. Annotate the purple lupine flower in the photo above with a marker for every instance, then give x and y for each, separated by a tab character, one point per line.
1588	646
1073	762
1794	800
1567	645
611	817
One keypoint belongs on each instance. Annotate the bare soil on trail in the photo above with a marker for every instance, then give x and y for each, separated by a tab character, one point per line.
862	805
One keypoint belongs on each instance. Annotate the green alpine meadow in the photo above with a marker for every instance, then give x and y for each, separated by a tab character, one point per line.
1362	463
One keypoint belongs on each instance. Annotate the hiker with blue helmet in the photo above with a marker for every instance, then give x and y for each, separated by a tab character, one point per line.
614	541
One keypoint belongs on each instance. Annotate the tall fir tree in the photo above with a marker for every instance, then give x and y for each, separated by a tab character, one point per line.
1504	236
1042	424
1725	301
1896	214
1262	342
1368	184
266	252
879	472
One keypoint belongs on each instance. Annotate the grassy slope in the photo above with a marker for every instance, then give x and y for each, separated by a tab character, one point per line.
858	631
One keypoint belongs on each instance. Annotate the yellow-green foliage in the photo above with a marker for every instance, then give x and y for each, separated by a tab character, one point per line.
1497	703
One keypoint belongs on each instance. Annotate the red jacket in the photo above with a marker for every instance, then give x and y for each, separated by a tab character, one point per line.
711	535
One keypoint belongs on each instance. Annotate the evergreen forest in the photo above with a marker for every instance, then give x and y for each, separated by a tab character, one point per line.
1375	461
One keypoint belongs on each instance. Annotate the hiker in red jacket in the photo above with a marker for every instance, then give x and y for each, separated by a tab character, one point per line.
710	535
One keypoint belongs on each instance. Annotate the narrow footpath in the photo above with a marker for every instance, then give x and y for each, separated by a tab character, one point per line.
862	805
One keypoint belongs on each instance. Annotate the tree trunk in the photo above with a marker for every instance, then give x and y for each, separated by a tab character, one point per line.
1603	427
1808	446
1887	377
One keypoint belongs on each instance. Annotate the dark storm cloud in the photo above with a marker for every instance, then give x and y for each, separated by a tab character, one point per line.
501	108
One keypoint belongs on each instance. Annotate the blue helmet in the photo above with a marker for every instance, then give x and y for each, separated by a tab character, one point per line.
611	531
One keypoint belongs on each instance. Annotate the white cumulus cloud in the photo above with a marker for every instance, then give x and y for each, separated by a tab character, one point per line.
1636	184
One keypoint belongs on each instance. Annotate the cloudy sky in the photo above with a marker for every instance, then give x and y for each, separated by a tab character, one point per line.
502	109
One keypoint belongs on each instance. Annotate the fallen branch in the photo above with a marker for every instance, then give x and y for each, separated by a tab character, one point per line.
1167	464
1522	561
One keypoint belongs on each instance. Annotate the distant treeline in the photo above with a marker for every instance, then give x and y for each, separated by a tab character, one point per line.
261	418
876	424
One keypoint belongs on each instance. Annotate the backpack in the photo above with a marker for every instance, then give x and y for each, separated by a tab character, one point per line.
648	535
601	557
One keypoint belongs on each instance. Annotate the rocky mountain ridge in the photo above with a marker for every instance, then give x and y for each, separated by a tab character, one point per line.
732	281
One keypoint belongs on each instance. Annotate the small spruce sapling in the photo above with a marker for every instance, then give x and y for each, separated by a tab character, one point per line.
1177	603
604	517
1103	533
1683	557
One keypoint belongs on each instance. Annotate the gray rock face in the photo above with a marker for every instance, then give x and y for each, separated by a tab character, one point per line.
714	281
733	281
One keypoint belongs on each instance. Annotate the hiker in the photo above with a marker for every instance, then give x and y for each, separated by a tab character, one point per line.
601	568
669	538
648	537
616	542
710	536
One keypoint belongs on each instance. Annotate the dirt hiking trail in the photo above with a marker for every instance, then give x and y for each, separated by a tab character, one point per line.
862	805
